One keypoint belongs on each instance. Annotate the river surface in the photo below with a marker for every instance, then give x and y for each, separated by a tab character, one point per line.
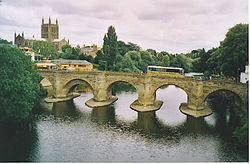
72	132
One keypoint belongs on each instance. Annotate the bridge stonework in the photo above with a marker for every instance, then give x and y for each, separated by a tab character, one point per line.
197	90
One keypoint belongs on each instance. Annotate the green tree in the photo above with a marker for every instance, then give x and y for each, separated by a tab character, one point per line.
135	58
182	61
146	60
161	55
123	48
234	50
133	47
110	47
69	52
241	132
89	58
214	63
19	85
127	65
45	48
196	64
166	61
118	63
151	51
76	50
65	47
196	53
99	56
2	41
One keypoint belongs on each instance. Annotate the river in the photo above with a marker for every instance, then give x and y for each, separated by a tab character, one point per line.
72	132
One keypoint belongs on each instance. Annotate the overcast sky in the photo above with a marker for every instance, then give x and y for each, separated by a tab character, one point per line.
175	26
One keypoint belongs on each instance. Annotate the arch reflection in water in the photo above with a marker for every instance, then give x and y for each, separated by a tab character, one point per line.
172	97
225	106
18	144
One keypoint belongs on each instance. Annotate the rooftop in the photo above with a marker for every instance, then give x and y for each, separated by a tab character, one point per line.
65	61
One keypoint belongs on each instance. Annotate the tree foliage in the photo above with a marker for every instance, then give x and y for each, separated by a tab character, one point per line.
229	59
234	50
213	62
196	53
151	51
19	85
123	48
166	61
110	47
45	48
3	41
242	132
72	53
181	61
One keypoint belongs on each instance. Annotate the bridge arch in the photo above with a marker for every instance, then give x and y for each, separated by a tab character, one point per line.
239	97
73	83
109	85
184	88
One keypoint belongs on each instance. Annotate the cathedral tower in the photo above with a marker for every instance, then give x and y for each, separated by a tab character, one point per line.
50	31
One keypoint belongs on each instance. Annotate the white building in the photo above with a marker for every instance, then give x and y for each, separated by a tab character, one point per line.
244	77
28	51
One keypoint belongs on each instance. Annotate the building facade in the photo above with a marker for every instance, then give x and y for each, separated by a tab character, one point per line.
20	41
90	50
49	32
64	64
244	76
78	65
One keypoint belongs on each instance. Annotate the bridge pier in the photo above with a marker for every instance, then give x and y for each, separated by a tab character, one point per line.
195	106
102	95
92	103
146	101
197	112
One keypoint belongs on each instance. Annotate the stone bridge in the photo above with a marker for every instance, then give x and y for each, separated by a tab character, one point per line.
197	90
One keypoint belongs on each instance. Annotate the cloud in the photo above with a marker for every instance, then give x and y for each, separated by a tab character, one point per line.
173	25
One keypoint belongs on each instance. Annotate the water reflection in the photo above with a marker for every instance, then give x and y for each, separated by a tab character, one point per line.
104	114
71	132
195	125
147	121
18	144
66	110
